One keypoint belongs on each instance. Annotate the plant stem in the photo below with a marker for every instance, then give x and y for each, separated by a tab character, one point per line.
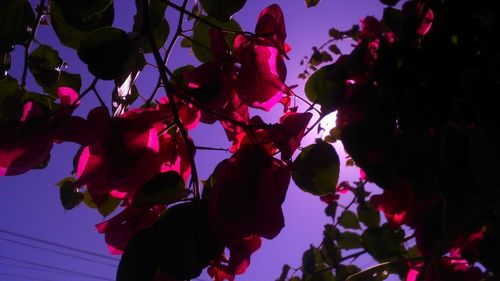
41	7
169	90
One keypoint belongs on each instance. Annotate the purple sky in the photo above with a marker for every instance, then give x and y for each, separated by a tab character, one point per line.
29	203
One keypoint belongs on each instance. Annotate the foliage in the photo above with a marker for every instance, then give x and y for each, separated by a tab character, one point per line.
413	107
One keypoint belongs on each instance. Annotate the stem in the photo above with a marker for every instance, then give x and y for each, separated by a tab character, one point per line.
168	89
168	51
212	148
41	7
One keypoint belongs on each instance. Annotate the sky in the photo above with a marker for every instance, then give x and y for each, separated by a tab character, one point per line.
34	227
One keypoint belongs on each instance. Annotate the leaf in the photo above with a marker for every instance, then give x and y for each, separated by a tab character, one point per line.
184	240
316	169
70	197
311	3
68	35
344	271
106	52
164	188
17	21
10	99
334	49
349	240
383	242
87	15
5	64
140	258
222	10
108	206
326	86
186	43
202	40
158	24
44	63
390	2
87	199
349	219
378	272
368	215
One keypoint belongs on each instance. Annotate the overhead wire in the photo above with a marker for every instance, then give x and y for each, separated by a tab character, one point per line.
57	244
56	252
57	268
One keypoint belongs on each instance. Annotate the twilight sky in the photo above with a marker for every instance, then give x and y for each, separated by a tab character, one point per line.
29	203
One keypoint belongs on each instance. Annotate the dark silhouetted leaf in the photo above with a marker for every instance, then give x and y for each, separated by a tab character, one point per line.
44	63
222	9
164	188
349	240
158	24
349	219
17	21
68	35
311	3
106	52
140	258
70	197
316	169
383	242
390	2
201	37
184	240
87	15
368	215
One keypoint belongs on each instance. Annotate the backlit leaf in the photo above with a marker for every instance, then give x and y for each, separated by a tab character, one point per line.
44	63
164	188
87	15
349	219
349	240
106	52
316	169
368	215
202	40
17	20
311	3
68	35
222	9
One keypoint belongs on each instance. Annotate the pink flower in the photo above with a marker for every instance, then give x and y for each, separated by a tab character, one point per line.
247	196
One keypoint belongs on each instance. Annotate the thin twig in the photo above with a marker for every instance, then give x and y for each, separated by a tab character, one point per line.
41	7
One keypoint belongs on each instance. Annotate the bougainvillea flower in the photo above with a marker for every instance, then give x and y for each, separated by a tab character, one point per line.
119	229
26	143
173	154
371	28
189	115
446	268
240	251
247	195
397	203
213	84
260	81
125	155
284	136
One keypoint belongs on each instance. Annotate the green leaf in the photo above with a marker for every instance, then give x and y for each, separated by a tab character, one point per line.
70	196
349	219
44	63
284	273
222	9
368	215
17	21
68	35
202	41
108	206
349	240
87	199
164	188
186	43
334	49
316	169
344	271
158	24
184	240
311	3
10	99
325	86
383	242
140	258
377	272
106	51
87	15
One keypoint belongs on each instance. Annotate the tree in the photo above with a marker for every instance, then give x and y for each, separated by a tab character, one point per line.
412	112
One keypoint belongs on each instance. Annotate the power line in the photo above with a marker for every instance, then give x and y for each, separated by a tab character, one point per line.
56	252
57	268
57	244
35	268
24	277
